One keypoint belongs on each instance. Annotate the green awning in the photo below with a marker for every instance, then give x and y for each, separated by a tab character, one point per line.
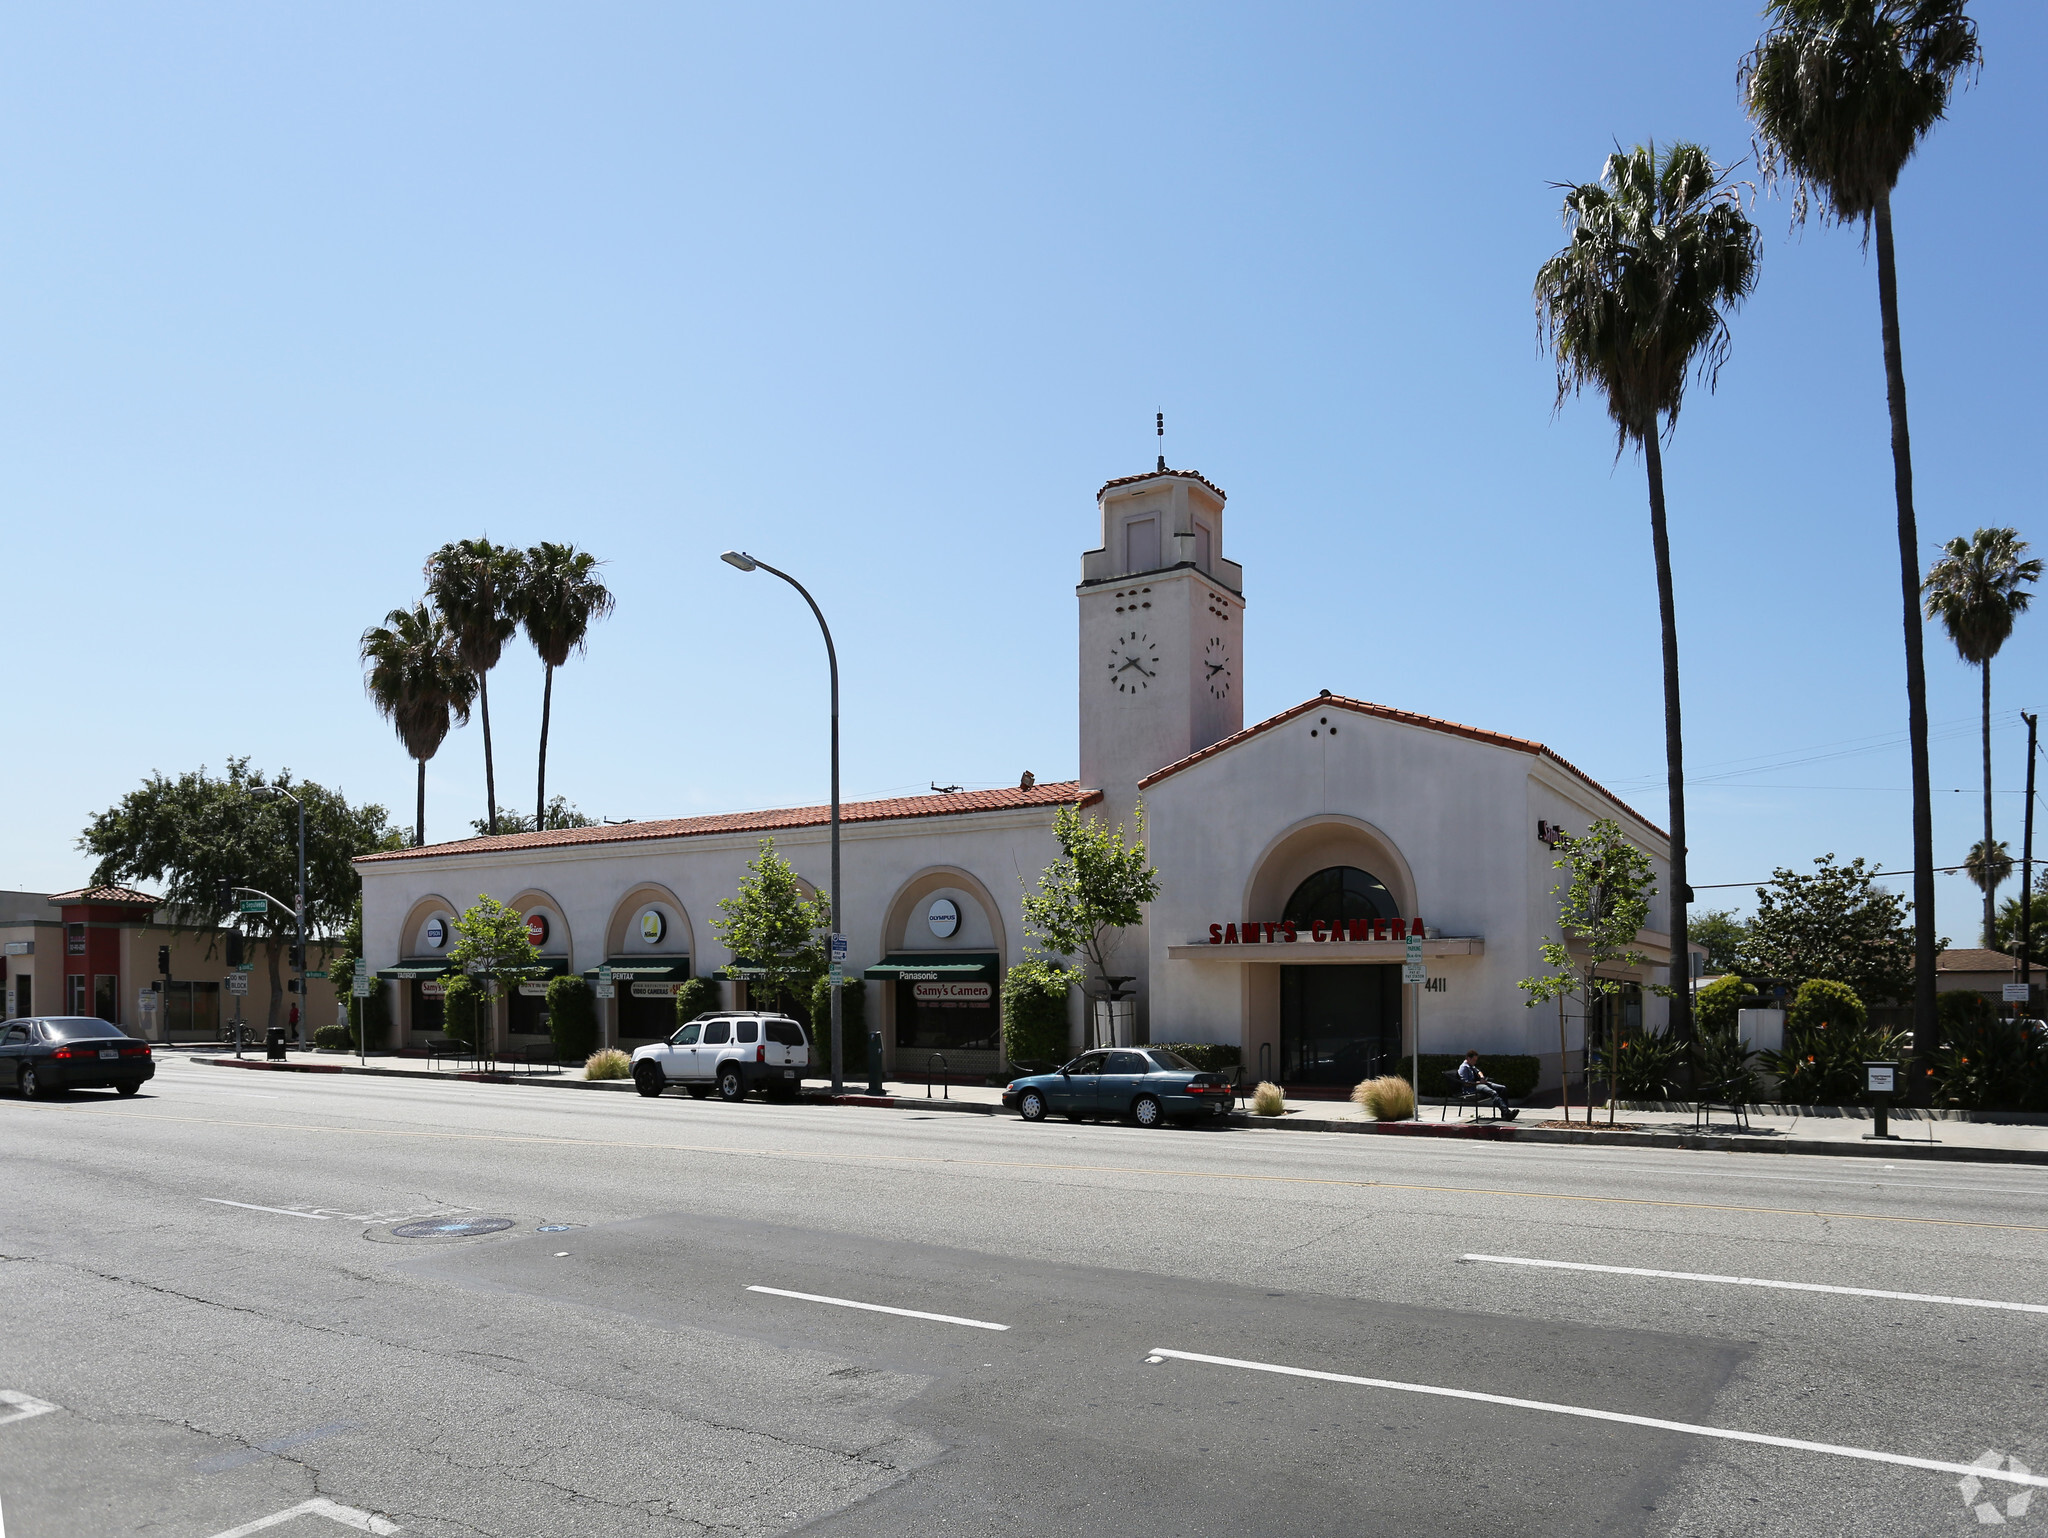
646	969
935	966
410	971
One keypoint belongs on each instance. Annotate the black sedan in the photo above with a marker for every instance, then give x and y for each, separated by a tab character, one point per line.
48	1056
1147	1084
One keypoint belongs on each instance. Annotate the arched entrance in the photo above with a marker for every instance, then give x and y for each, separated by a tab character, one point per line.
1339	1024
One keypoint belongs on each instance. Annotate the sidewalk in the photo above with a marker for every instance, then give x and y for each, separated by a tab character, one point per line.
1828	1130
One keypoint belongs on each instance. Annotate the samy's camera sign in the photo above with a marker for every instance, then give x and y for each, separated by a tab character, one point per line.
952	993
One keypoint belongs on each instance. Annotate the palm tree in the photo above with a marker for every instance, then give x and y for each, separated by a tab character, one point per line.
419	685
473	583
1660	250
1976	590
1842	92
558	601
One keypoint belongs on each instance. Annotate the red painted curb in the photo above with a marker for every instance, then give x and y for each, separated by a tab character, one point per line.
244	1062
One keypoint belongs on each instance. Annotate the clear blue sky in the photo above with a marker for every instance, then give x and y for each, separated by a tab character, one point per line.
295	293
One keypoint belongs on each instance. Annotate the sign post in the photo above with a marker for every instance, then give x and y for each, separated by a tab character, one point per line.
1881	1082
238	990
1414	971
606	988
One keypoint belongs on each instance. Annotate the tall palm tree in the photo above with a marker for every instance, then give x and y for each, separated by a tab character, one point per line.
1842	92
1977	589
559	600
419	685
473	583
1660	251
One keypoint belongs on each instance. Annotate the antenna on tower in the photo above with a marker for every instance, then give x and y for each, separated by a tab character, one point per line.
1160	418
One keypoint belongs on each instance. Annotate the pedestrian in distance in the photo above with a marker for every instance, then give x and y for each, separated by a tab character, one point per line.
1474	1078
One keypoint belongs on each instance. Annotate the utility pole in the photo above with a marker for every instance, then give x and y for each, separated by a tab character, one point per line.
2027	866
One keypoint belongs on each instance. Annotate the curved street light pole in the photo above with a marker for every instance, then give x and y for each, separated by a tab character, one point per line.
744	562
299	914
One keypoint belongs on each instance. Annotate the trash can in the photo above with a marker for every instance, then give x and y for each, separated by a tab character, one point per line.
273	1044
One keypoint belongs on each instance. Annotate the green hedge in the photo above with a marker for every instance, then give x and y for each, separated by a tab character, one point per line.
1035	1012
460	1008
698	996
572	1018
335	1038
1515	1072
1209	1056
853	1025
1719	1002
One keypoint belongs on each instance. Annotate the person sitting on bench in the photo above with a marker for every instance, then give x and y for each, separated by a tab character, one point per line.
1480	1087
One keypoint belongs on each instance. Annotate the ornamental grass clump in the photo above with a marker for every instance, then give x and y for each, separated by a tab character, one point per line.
610	1063
1267	1100
1387	1098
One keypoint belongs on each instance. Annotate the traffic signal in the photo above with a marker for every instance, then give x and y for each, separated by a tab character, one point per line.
298	956
234	949
163	960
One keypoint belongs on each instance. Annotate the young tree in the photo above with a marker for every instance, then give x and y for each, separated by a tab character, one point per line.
494	949
473	583
559	599
1835	923
1634	306
1097	889
1599	913
775	932
560	814
1977	590
419	685
1842	92
199	836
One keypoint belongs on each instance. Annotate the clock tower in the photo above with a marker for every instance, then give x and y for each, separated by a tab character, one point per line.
1162	632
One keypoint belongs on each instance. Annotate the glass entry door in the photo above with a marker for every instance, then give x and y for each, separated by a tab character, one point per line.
1339	1024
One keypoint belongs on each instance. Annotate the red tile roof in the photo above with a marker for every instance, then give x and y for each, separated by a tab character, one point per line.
1061	793
1406	718
1153	475
1966	959
107	894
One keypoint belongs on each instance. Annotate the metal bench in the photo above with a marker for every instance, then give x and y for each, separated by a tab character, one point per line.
1730	1094
1474	1095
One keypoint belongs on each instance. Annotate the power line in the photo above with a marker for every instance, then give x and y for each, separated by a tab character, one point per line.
1712	886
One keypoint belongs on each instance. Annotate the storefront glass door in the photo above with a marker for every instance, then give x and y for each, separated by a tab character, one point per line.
1339	1024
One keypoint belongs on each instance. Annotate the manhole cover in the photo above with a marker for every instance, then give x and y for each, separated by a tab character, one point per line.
451	1228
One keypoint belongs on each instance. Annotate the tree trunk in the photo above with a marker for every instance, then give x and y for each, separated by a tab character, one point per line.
1674	745
483	689
419	826
1564	1070
1990	886
1916	671
540	788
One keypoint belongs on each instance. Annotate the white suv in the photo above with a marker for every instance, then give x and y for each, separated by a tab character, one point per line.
736	1052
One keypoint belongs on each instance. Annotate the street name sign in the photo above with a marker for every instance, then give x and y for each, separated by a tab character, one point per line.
255	905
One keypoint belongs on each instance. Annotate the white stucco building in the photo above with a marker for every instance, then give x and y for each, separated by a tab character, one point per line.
1296	856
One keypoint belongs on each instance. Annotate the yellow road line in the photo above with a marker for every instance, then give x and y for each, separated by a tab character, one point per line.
536	1140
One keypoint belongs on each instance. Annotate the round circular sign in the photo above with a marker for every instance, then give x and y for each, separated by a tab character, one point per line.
537	929
653	926
943	917
435	934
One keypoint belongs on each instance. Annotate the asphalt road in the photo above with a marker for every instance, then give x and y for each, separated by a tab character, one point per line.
204	1284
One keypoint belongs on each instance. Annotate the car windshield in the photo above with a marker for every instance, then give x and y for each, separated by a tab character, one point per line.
1172	1062
76	1028
786	1033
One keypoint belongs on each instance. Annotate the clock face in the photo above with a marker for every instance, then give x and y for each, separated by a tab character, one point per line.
1216	668
1133	662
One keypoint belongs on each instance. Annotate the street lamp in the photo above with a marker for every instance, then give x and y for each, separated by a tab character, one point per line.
741	561
299	914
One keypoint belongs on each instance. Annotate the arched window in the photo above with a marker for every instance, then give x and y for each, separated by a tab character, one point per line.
1341	892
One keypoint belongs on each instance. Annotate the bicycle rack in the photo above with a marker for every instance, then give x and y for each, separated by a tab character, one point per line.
940	1059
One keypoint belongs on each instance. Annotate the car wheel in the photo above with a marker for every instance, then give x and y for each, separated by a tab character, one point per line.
698	1091
649	1079
1031	1105
129	1088
1146	1112
31	1088
731	1086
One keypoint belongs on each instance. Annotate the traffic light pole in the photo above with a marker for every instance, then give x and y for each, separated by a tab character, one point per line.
299	917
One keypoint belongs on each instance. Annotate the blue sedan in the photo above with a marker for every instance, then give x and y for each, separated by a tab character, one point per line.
1147	1084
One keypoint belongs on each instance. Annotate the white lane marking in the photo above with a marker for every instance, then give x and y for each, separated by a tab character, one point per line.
1755	1281
26	1406
347	1516
879	1308
253	1207
1721	1433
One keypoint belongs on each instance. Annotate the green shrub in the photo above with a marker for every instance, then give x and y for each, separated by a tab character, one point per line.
1962	1016
610	1063
572	1018
1035	1012
1209	1056
374	1010
1516	1073
334	1038
1646	1065
1820	1004
853	1024
460	1009
1719	1058
1716	1007
1987	1062
1387	1098
698	996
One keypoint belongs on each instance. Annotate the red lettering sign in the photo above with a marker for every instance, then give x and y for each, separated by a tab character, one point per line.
1287	928
1315	931
1215	934
1229	933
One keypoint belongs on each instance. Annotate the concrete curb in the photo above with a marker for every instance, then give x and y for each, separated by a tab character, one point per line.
1486	1132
